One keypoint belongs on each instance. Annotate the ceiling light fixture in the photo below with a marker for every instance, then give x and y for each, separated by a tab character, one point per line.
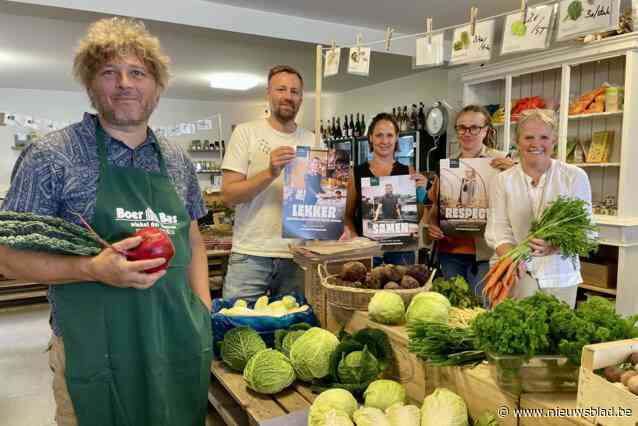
234	81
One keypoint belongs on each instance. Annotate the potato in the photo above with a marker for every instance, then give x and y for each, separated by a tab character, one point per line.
353	271
421	273
391	285
373	283
393	273
632	384
613	373
627	375
633	358
409	282
378	274
402	269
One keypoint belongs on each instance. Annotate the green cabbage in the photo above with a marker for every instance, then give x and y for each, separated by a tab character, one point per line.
289	339
358	367
290	302
310	354
370	416
428	306
239	345
335	418
382	394
386	307
333	399
443	408
268	372
403	415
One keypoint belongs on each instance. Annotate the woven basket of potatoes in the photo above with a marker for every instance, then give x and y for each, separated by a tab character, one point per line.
355	285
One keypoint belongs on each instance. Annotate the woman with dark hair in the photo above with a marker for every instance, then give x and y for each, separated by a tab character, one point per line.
468	257
383	135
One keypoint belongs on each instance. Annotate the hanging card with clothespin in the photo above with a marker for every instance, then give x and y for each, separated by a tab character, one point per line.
431	50
359	58
333	58
529	29
581	17
473	42
389	32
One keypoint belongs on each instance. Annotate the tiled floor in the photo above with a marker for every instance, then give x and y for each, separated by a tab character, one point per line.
25	379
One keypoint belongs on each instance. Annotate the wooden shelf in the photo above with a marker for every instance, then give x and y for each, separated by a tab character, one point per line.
586	165
611	291
595	115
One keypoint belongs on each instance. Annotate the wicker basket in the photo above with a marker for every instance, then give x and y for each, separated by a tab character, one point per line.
357	299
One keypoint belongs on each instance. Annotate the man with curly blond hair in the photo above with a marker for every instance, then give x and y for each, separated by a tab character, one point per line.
129	347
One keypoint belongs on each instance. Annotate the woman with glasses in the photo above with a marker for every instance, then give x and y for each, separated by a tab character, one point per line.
519	195
468	257
383	135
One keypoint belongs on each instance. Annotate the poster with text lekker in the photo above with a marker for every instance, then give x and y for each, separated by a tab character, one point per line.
581	17
522	34
468	48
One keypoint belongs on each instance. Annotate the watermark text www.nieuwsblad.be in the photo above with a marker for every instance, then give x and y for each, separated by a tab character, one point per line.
505	411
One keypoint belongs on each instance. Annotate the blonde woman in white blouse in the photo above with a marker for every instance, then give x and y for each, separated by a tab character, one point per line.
520	194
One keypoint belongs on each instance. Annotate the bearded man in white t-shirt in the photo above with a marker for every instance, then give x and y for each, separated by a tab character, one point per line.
253	182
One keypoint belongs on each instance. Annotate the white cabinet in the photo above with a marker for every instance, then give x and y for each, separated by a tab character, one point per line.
559	77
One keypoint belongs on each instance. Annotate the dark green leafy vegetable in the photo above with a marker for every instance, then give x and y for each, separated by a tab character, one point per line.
457	290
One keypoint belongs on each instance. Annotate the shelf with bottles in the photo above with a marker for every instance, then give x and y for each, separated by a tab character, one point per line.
207	146
334	131
205	166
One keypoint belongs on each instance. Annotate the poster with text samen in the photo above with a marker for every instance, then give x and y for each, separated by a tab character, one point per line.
582	17
389	212
464	195
314	200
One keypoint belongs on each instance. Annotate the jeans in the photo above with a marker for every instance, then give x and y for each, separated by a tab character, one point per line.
465	265
249	277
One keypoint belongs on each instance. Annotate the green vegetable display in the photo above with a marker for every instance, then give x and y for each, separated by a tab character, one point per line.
444	408
383	393
428	306
457	291
310	354
239	345
333	399
269	372
386	307
358	367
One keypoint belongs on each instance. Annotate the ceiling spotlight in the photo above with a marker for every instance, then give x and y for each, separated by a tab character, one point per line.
234	81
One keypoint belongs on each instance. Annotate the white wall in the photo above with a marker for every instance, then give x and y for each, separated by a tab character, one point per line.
427	87
69	106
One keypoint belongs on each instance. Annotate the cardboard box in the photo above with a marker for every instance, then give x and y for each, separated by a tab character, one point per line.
599	275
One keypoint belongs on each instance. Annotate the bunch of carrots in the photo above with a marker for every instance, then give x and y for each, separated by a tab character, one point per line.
566	223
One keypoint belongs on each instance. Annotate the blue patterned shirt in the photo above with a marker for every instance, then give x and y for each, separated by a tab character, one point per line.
59	174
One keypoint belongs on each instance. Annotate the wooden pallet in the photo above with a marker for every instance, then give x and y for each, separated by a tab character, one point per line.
238	405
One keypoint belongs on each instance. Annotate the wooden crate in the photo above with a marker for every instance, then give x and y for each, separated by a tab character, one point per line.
599	275
238	405
595	391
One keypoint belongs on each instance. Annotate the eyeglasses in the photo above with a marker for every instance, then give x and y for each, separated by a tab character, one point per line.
474	130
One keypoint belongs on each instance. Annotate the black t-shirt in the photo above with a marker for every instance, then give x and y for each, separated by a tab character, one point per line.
389	204
361	171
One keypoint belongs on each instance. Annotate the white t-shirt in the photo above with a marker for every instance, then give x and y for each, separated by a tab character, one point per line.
257	229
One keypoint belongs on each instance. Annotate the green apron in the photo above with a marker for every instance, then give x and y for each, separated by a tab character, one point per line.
137	357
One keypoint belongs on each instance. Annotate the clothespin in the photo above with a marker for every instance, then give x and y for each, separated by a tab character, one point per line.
388	37
358	42
428	29
333	48
524	10
473	16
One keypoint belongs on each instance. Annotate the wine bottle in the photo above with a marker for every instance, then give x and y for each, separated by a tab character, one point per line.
333	130
421	117
346	127
413	117
364	129
339	132
353	132
322	131
394	114
403	126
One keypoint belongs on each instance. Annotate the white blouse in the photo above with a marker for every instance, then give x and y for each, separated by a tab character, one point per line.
514	203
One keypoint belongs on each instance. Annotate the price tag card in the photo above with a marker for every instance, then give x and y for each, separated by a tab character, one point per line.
331	64
359	61
531	34
431	54
477	48
582	17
